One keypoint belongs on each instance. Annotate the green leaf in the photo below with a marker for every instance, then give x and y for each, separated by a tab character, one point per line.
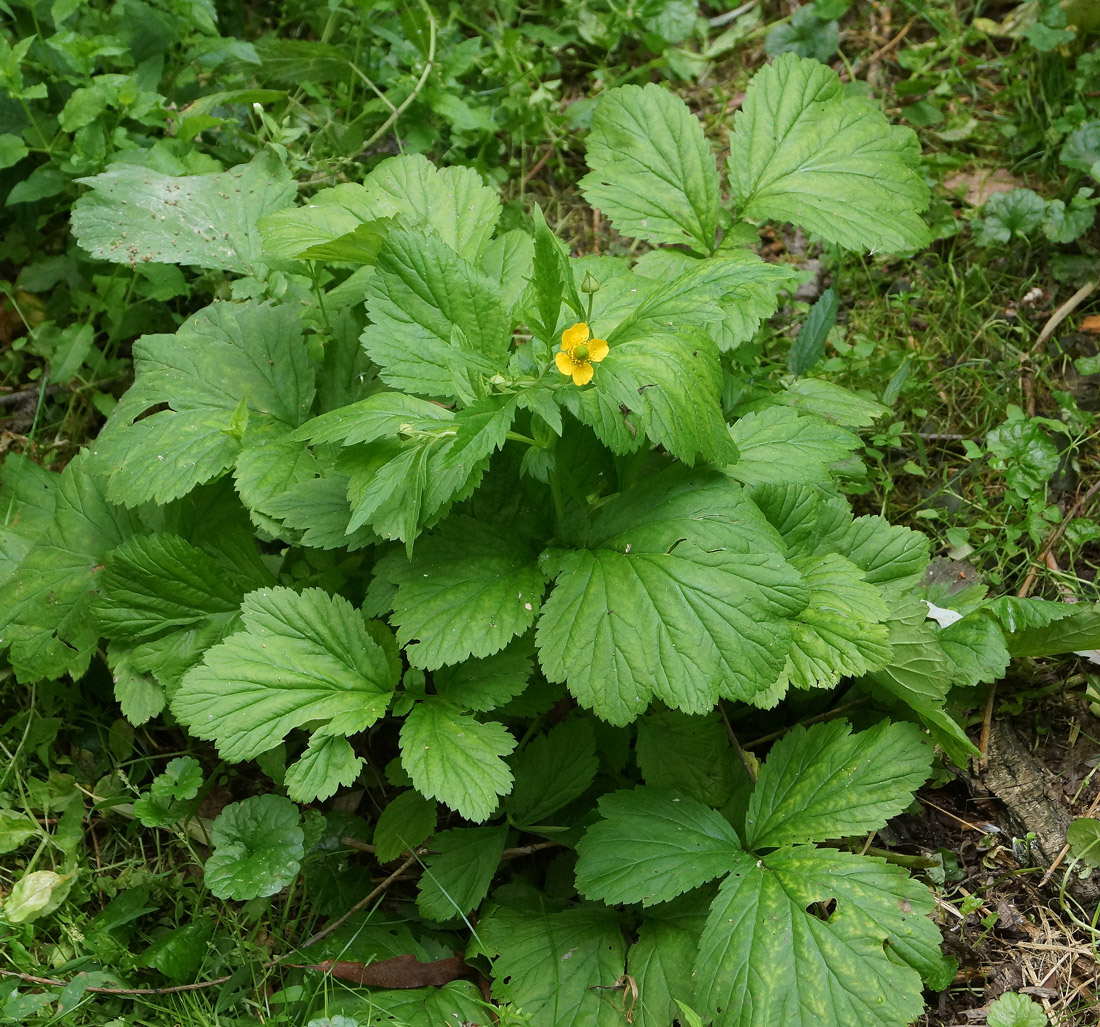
1011	1010
482	685
1016	213
779	445
45	606
258	848
15	829
155	585
508	260
752	289
302	657
12	150
843	630
456	759
458	871
919	673
825	782
809	346
328	763
661	961
803	152
139	695
467	592
434	315
833	402
404	824
682	595
33	896
551	771
888	554
1083	838
1062	224
653	172
453	202
180	780
674	384
179	952
552	966
226	355
805	34
1073	633
651	846
1023	451
687	755
136	215
975	645
765	958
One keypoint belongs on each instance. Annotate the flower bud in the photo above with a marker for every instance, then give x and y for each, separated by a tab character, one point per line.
589	285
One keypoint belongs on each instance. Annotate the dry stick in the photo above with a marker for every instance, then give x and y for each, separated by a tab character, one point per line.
741	754
1024	591
816	719
1047	331
882	51
539	164
514	853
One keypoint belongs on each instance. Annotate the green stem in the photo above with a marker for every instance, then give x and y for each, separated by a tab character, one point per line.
515	436
559	504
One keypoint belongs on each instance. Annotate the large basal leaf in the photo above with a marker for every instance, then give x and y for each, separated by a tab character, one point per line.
456	759
328	763
551	771
683	595
453	202
803	152
467	592
651	846
558	968
825	782
687	755
458	871
661	961
767	958
226	356
485	684
135	215
45	615
302	657
406	821
778	445
653	172
975	645
434	317
919	672
843	630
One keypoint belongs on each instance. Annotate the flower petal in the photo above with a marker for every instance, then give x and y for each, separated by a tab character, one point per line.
575	336
564	362
582	373
597	350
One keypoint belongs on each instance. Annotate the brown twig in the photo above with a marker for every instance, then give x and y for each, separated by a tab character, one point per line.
174	989
741	754
816	719
1065	848
1045	333
539	164
513	853
882	51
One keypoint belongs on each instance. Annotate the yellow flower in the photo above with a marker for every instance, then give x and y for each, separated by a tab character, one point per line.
579	351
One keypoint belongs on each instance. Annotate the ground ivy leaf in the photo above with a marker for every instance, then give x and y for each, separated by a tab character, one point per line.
687	755
456	759
680	598
136	215
651	846
458	871
551	771
764	959
778	445
653	172
801	151
825	782
328	763
45	605
258	848
223	353
420	294
552	966
301	657
453	202
467	591
404	824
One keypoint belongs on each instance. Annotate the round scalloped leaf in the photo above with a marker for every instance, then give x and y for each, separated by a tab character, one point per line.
258	847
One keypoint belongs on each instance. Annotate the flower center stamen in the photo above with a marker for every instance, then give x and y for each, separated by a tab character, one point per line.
580	352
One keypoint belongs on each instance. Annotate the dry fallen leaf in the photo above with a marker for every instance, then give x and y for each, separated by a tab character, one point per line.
978	184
